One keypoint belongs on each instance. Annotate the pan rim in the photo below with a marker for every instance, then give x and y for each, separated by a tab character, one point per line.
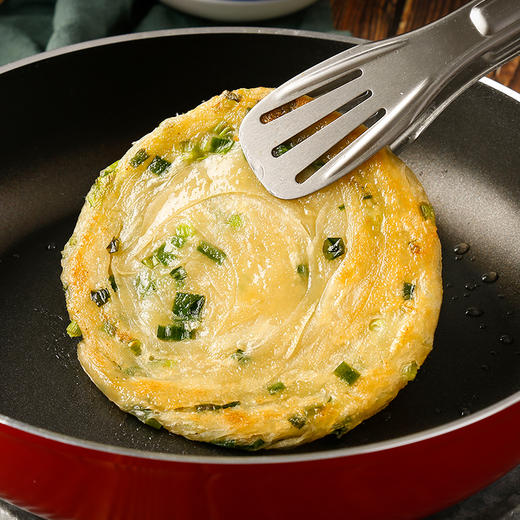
264	459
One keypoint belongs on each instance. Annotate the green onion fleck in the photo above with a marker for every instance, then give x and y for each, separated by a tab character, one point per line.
303	270
109	328
427	211
145	416
110	169
298	421
223	129
408	290
220	145
139	158
210	407
159	165
144	284
179	274
367	196
113	283
135	346
341	207
253	446
347	373
100	297
184	231
235	222
409	371
162	255
342	427
240	356
73	330
281	149
188	306
191	151
212	252
113	247
177	331
333	248
276	387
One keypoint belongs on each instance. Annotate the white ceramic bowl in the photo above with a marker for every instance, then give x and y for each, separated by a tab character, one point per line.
239	10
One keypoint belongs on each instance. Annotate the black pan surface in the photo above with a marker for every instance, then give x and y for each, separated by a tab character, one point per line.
67	116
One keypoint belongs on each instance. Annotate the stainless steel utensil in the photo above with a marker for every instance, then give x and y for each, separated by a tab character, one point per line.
396	87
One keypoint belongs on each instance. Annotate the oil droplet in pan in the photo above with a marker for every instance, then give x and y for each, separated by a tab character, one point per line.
506	339
473	312
461	249
489	277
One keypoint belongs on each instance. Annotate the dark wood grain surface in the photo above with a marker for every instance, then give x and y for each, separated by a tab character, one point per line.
377	19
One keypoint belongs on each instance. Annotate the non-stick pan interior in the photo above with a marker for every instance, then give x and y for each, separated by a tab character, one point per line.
67	117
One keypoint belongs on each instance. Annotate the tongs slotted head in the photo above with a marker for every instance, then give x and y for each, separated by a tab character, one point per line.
295	138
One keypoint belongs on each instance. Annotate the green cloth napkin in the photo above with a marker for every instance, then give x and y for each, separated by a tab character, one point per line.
31	26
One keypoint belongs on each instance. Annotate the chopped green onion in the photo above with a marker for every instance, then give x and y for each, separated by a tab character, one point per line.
144	284
150	261
275	388
73	330
113	247
191	151
235	222
427	211
177	331
110	169
159	165
184	231
312	410
347	373
135	346
408	290
220	145
100	297
179	274
377	324
100	185
139	158
253	446
240	356
341	207
210	407
109	328
212	252
162	255
333	248
409	371
145	416
113	283
342	427
281	149
298	421
367	196
188	306
303	270
318	163
131	371
163	363
223	129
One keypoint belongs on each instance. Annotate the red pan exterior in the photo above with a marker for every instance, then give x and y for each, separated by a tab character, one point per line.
62	481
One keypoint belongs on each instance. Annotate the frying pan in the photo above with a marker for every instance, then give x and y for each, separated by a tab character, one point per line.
67	452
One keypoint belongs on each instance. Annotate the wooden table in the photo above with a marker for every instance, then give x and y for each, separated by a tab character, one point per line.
377	19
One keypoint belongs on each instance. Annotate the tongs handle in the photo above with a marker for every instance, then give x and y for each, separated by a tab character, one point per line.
494	16
472	41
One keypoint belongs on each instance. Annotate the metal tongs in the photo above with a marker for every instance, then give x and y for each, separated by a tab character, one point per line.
395	87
